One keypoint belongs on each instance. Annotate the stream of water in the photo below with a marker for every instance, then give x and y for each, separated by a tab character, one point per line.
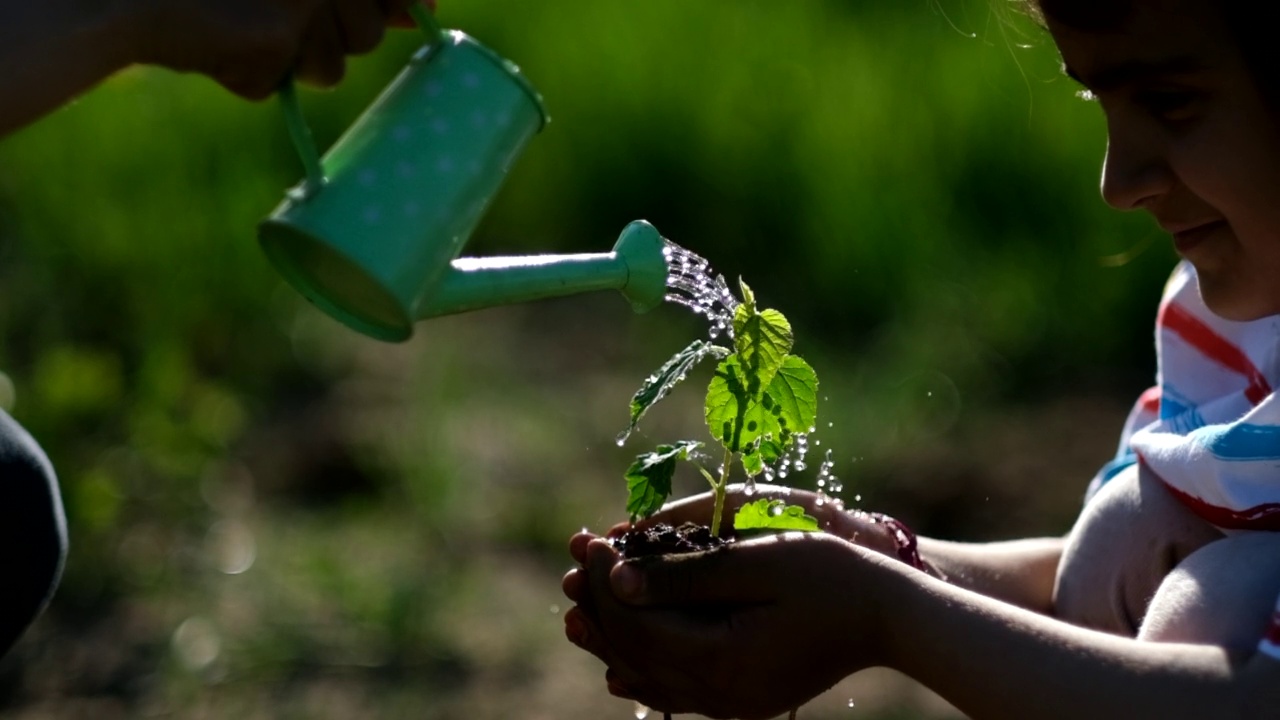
692	283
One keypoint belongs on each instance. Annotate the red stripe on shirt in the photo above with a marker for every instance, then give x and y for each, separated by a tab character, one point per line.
1150	400
1215	347
1259	517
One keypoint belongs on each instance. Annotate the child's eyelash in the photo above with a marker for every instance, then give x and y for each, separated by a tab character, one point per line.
1086	95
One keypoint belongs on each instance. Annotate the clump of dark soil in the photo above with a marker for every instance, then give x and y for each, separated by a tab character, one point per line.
663	539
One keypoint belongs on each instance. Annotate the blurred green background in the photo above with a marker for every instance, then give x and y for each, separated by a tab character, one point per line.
271	517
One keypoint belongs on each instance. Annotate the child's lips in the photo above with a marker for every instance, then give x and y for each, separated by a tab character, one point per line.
1185	239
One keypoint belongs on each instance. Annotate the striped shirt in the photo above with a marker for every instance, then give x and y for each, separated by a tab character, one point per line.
1210	428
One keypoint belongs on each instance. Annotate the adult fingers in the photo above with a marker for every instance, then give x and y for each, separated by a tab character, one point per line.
263	53
361	24
398	12
322	56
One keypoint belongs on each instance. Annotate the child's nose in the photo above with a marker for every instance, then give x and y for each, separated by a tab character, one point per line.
1134	173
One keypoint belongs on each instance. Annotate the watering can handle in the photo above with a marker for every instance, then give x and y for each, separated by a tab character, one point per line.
300	132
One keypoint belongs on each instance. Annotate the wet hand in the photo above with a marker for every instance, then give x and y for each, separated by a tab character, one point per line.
856	526
751	630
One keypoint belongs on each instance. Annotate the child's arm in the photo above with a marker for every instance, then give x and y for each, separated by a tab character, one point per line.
775	621
992	660
1020	572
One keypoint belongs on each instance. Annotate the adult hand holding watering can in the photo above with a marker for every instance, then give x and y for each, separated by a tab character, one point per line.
53	50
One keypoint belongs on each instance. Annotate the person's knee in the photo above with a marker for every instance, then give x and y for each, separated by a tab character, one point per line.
1223	594
33	536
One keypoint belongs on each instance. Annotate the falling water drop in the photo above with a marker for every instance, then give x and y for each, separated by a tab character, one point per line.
641	712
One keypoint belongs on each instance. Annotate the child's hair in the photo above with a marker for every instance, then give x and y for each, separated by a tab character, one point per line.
1253	36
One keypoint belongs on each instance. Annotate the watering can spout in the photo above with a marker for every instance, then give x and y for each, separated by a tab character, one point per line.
636	267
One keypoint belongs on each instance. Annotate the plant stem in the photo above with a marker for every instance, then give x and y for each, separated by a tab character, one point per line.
718	490
711	480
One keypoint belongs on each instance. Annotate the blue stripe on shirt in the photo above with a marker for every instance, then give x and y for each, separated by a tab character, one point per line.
1240	442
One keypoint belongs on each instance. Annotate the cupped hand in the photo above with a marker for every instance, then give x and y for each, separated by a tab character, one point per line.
249	46
750	630
856	526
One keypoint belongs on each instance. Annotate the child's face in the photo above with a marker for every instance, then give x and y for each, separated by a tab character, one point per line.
1191	140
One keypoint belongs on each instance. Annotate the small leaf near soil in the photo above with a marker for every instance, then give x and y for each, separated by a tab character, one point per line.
649	477
768	514
659	384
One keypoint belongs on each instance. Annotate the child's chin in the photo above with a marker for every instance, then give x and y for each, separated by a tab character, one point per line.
1233	300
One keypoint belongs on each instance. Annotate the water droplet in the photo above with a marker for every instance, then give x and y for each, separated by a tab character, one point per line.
775	510
231	546
197	643
750	488
555	609
829	424
850	702
641	712
857	498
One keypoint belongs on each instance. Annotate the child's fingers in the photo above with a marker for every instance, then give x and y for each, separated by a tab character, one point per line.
574	585
578	545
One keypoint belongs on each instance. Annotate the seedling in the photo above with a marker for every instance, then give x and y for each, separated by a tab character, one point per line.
759	399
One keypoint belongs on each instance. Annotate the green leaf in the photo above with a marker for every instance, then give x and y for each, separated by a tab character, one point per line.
793	395
657	385
762	340
736	416
739	418
752	462
768	514
649	477
748	297
770	451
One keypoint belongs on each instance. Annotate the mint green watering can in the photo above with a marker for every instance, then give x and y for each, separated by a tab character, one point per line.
373	232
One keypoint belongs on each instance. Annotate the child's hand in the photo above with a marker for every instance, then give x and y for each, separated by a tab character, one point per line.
751	630
250	45
853	525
